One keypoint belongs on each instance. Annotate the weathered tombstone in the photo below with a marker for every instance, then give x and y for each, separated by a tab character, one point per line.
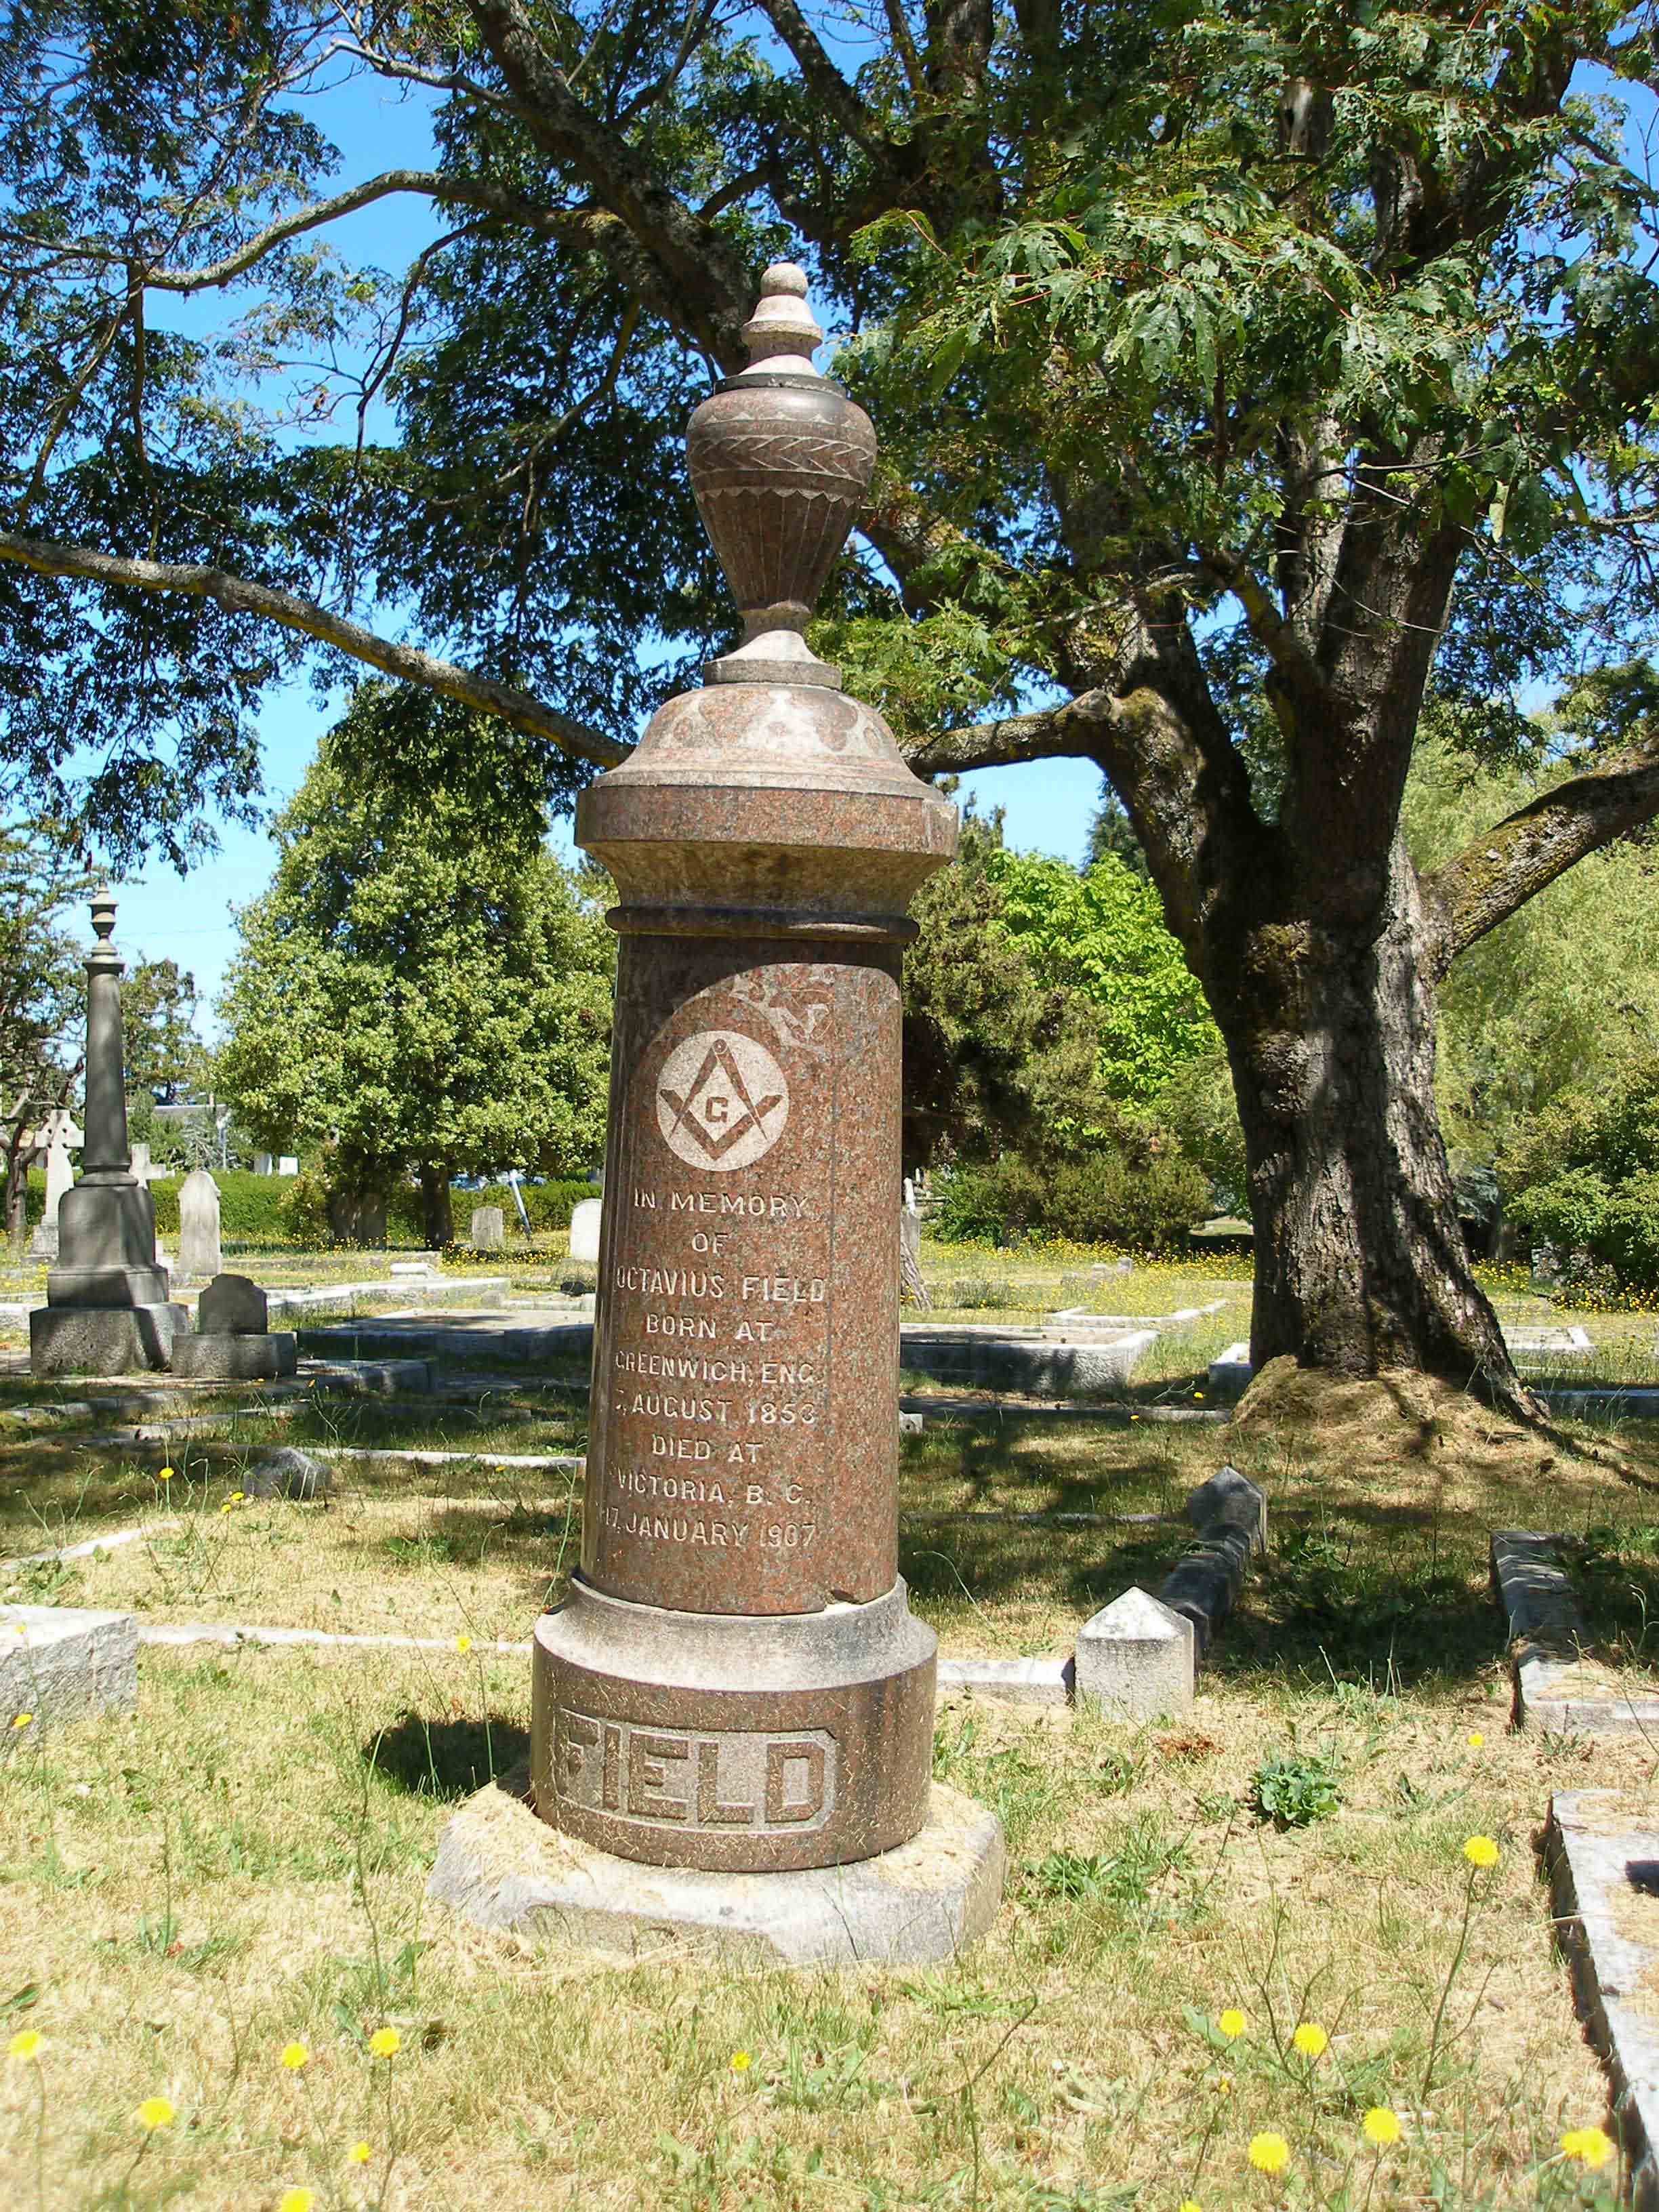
585	1217
198	1225
489	1230
287	1163
107	1311
233	1305
263	1164
232	1342
911	1279
60	1177
736	1684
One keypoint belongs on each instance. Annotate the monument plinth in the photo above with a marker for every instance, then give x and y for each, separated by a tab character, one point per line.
736	1683
107	1309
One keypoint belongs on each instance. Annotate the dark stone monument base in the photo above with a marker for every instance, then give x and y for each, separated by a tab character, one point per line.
652	1739
103	1341
108	1286
223	1356
925	1901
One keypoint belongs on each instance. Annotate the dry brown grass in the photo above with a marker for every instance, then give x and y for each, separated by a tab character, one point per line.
242	1863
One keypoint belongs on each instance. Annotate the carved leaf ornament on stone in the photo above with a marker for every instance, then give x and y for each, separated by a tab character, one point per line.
722	1100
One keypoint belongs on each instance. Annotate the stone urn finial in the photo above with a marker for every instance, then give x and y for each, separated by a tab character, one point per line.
780	462
103	913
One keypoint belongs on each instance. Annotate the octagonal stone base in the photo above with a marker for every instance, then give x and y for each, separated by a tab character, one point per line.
503	1869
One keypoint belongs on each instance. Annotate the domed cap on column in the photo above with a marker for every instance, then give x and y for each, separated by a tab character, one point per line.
780	462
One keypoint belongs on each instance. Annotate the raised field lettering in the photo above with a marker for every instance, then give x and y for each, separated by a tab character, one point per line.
781	1782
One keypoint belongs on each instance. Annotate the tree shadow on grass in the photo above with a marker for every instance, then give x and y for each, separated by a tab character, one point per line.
448	1759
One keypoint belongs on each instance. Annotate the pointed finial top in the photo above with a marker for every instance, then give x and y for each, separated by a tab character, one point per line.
103	912
783	334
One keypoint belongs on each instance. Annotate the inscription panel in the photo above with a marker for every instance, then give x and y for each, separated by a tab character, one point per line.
757	1782
732	1293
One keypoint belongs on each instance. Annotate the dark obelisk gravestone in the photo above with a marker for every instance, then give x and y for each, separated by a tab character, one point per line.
107	1311
736	1685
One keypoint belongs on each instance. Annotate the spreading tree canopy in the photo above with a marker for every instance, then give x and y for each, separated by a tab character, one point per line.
424	986
1241	373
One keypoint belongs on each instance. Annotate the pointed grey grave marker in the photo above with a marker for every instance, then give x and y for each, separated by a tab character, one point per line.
1135	1659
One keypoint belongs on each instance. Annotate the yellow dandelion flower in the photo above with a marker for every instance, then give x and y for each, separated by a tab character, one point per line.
361	2153
296	2200
741	2061
1481	1851
462	1642
295	2056
26	2043
22	1720
1475	1739
1224	2083
1381	2126
226	1507
1189	2205
20	1628
1269	2153
239	1497
156	2112
1232	2023
385	2043
1310	2040
1590	2146
166	1475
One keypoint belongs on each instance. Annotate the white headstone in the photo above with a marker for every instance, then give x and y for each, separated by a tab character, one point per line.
489	1230
60	1177
264	1163
287	1163
199	1224
1136	1659
585	1230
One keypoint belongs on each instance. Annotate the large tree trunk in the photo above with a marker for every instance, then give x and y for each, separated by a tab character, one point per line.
1360	1264
437	1214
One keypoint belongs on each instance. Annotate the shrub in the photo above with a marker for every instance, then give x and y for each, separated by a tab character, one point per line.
1147	1203
1585	1176
1294	1792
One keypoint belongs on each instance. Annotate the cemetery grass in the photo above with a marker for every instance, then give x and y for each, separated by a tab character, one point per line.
1012	1533
237	1871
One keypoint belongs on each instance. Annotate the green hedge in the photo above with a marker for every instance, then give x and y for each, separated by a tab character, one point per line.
255	1209
1105	1198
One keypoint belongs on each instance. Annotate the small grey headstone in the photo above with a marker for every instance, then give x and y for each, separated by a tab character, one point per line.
286	1473
585	1230
489	1230
1136	1659
232	1305
199	1224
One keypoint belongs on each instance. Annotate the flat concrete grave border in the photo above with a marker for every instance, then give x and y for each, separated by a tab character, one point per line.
1559	1684
484	1290
1601	1848
501	1868
64	1662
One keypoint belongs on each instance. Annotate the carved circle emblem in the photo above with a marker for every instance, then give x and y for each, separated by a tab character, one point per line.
722	1100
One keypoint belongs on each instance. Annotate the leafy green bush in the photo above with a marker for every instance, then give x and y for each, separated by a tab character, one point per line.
1147	1203
1585	1176
1294	1792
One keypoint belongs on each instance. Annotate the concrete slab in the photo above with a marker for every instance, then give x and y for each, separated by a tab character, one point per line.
501	1868
1040	1681
60	1663
1601	1848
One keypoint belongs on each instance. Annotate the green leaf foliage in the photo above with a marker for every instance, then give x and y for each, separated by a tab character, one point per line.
423	984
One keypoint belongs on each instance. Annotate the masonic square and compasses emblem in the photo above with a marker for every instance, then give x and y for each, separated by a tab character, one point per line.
722	1100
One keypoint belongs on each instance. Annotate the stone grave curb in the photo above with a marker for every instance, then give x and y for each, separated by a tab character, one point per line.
1593	1846
68	1662
1557	1684
483	1290
1231	1515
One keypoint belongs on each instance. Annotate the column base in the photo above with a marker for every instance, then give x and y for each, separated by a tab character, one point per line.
103	1339
652	1740
500	1868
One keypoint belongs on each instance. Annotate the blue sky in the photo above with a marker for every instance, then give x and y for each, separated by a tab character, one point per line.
163	916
